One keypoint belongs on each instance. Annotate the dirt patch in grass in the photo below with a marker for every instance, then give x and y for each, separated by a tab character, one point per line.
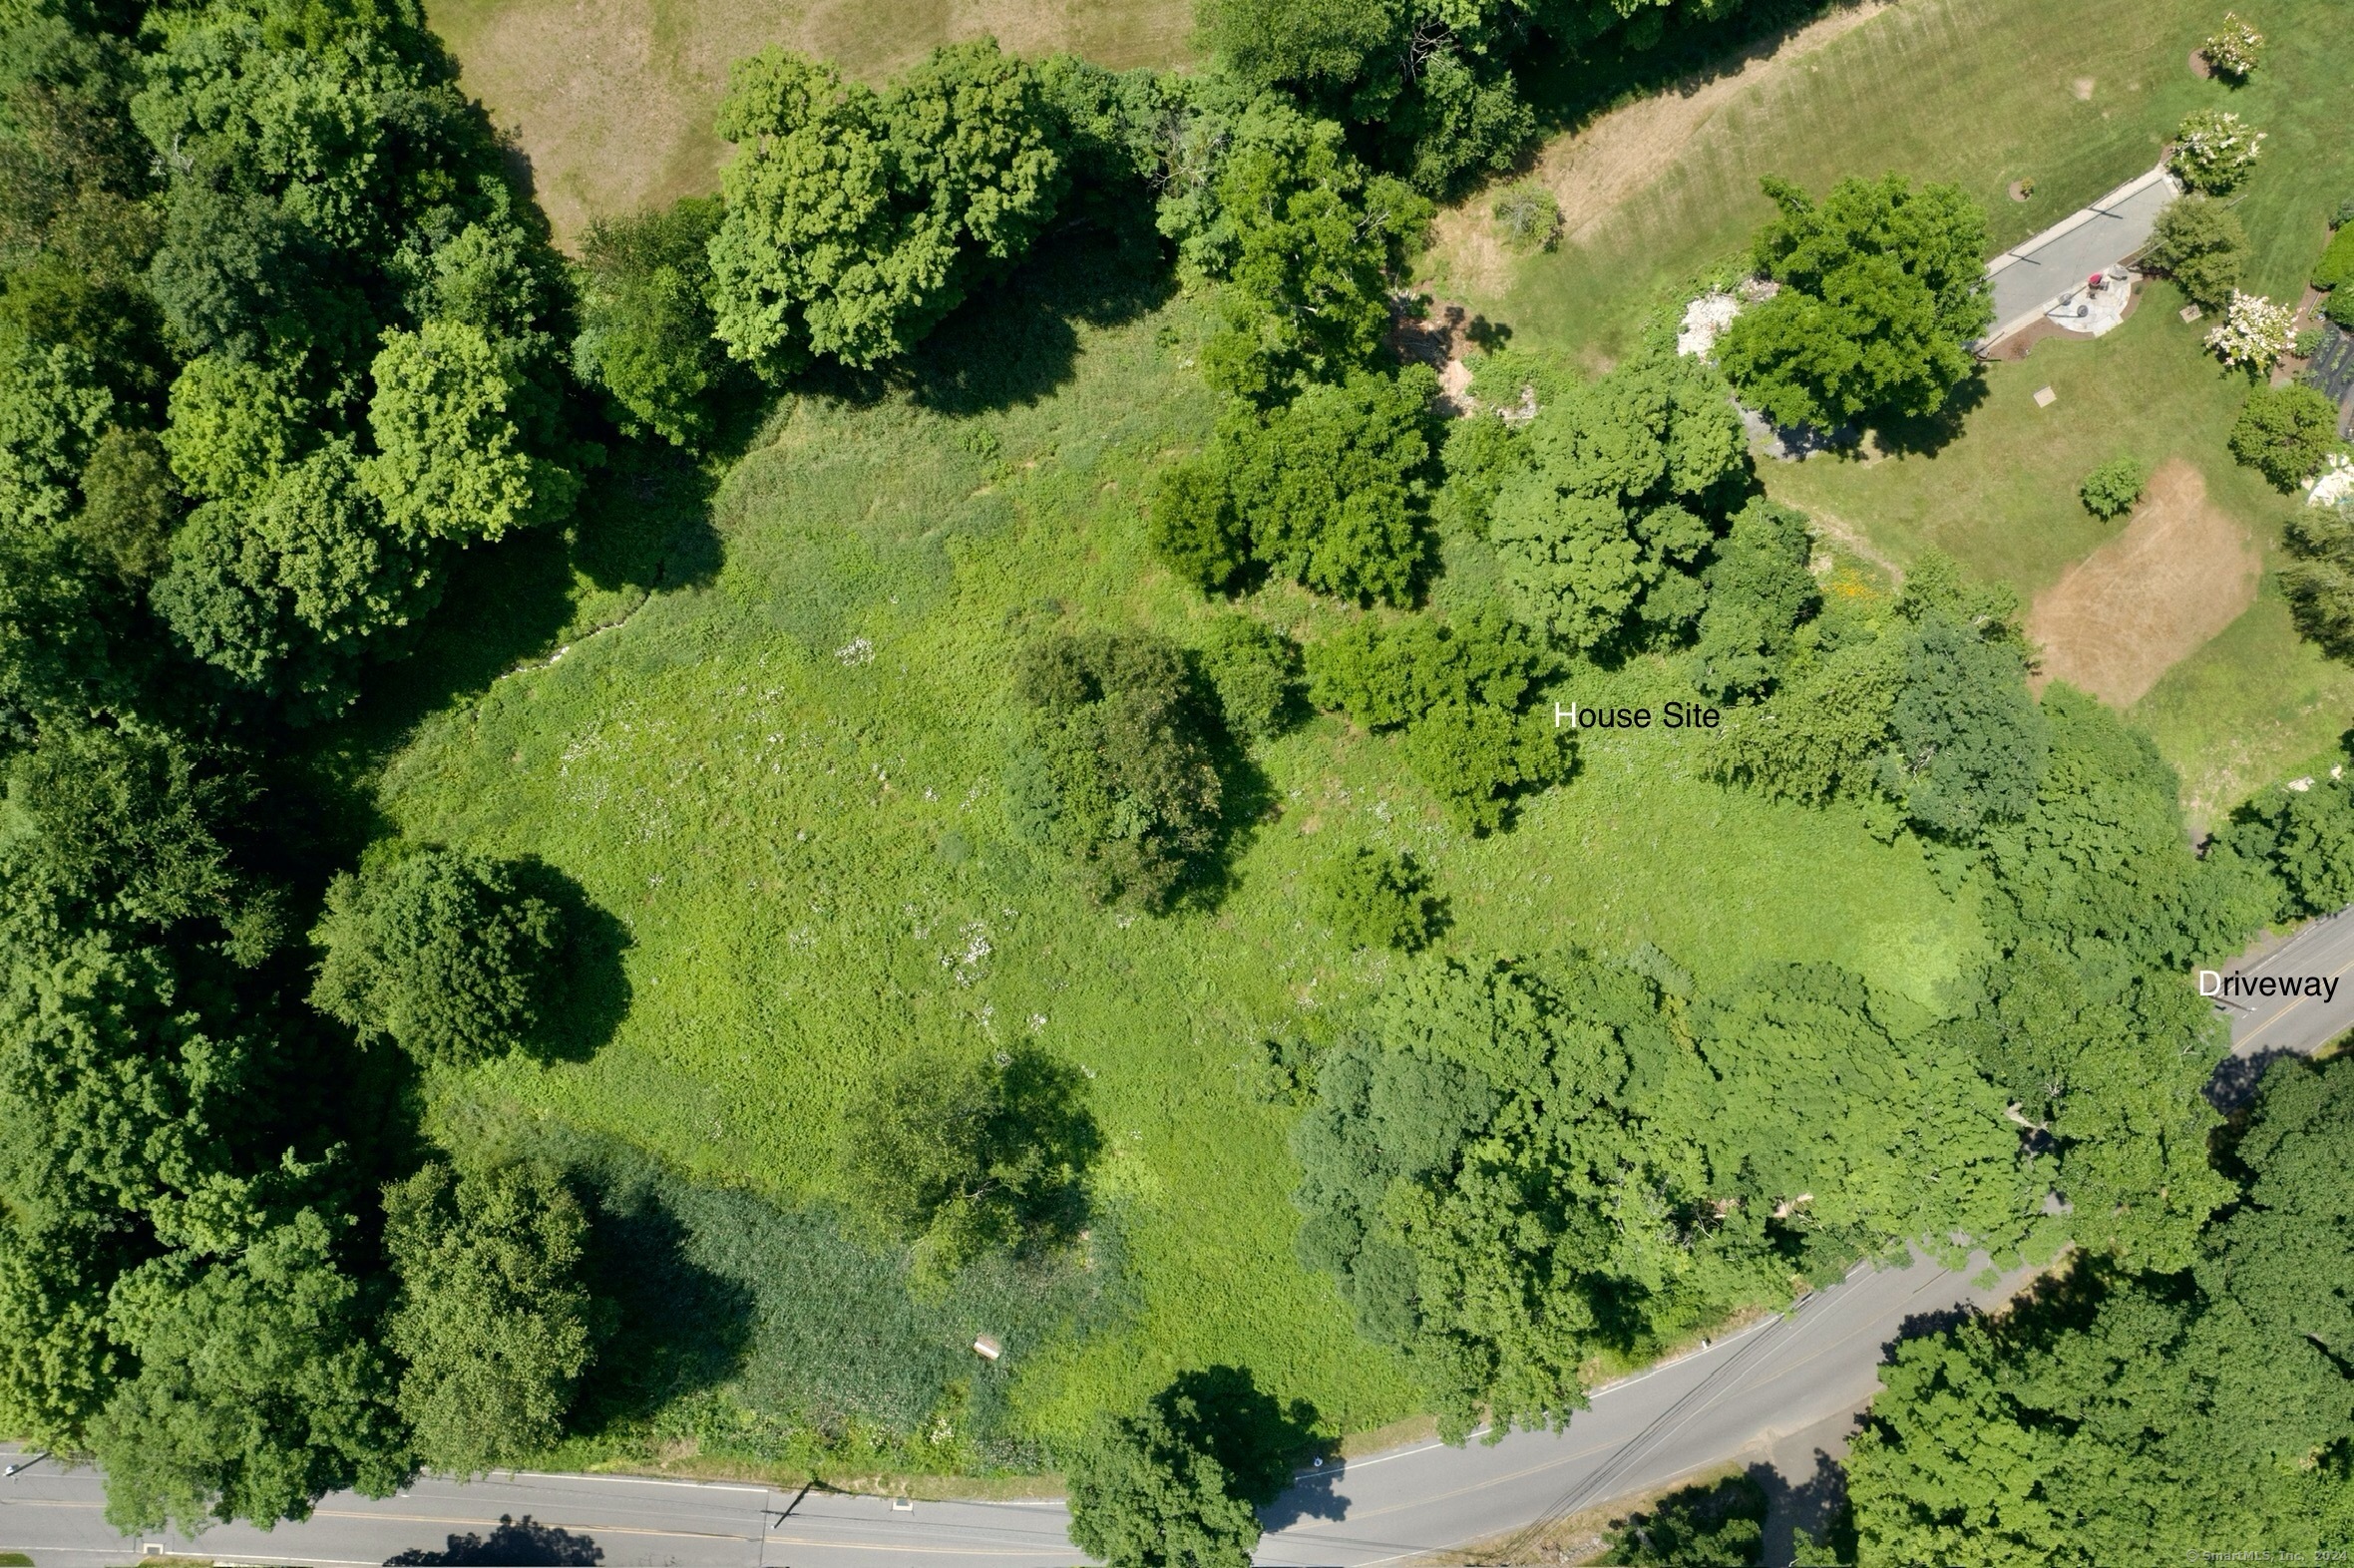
2181	571
1621	153
611	101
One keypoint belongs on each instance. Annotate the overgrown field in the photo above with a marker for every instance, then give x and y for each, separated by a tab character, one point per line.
782	775
611	101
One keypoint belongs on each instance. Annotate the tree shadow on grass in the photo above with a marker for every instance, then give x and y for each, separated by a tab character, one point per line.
677	1327
591	987
516	1543
1568	86
1015	342
1929	434
642	528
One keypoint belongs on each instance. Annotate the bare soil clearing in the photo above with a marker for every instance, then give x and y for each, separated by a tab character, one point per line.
1592	171
611	101
2181	571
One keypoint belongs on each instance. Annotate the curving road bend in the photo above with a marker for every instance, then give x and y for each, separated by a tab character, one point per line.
1781	1375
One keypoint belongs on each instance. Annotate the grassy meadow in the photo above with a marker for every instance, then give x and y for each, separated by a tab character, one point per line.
780	773
610	102
759	711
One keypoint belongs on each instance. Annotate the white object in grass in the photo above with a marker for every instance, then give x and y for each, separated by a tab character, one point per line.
1704	319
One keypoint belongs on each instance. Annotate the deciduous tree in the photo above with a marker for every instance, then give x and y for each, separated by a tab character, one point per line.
492	1322
1883	286
449	954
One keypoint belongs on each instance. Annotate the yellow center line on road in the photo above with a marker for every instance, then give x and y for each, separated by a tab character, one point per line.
2292	1004
46	1502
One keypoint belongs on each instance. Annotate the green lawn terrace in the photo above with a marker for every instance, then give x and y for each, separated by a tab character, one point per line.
1659	198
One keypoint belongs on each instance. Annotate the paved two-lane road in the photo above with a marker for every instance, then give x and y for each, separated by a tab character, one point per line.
1781	1375
2266	1027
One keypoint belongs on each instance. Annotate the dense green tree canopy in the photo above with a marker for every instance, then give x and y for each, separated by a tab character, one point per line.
963	1158
1312	241
1760	593
1459	693
491	1320
1331	485
1255	671
2319	580
451	954
258	1389
855	221
1511	1171
1173	1486
2285	433
645	319
2121	1416
1882	288
1967	745
1117	771
1604	531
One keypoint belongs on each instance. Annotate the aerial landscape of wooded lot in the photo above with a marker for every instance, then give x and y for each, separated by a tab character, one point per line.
1119	755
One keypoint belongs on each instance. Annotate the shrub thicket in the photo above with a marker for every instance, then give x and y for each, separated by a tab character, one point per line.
1459	693
1255	671
1720	1525
2111	490
1116	770
2200	244
1373	898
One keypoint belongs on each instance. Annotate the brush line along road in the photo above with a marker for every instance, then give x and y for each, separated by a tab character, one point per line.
1780	1376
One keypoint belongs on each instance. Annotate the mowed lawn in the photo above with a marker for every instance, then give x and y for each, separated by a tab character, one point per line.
2076	98
2254	705
611	101
784	780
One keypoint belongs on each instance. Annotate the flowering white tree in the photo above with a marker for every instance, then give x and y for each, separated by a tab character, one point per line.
2214	149
2254	334
2234	47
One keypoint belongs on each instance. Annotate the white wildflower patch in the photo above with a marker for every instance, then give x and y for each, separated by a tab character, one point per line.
2254	334
2334	484
964	964
858	650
